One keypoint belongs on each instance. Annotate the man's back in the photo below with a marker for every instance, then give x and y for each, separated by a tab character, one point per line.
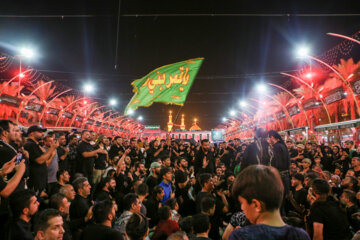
261	231
332	217
100	232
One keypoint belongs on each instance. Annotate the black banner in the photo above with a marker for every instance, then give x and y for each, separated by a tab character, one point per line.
68	115
10	100
280	114
312	103
97	124
36	107
356	86
293	110
79	118
334	95
53	111
90	122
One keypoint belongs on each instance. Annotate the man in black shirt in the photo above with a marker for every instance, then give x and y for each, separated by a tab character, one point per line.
153	179
117	148
62	152
23	205
38	159
104	215
87	155
152	204
298	195
326	220
292	151
204	159
63	178
81	206
135	154
109	185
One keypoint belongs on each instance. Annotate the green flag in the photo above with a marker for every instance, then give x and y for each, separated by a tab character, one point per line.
169	84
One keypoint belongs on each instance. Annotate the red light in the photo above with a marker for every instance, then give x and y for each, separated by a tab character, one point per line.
21	75
321	96
85	102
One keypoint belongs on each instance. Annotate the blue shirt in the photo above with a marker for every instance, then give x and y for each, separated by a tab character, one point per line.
262	231
167	191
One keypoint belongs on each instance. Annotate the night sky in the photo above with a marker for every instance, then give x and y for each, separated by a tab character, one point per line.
239	51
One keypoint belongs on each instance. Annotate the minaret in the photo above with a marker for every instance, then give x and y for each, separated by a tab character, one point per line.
182	126
170	123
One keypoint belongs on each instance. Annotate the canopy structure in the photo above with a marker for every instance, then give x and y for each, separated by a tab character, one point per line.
339	125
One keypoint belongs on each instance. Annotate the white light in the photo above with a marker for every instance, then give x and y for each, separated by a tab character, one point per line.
131	112
302	52
261	87
224	119
112	102
232	113
243	103
89	88
27	52
140	118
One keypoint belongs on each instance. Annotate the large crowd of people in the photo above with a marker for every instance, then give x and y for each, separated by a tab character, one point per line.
81	185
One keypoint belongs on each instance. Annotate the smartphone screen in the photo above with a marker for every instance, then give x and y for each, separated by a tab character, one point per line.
18	158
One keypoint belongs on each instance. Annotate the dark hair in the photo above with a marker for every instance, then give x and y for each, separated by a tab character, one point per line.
19	201
204	178
351	195
320	186
116	138
84	131
5	125
275	134
354	181
137	227
186	224
42	219
207	203
260	133
163	158
204	141
157	190
142	189
201	223
262	183
164	171
164	212
171	203
299	177
129	199
71	137
101	210
78	183
56	200
59	173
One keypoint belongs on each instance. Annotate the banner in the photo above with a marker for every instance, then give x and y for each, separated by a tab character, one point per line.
169	84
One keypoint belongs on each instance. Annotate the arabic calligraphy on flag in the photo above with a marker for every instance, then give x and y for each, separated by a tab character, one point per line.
169	84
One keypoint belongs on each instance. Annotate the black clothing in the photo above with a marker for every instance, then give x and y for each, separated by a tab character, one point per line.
293	152
123	183
114	151
78	209
63	164
181	177
354	223
198	164
100	161
55	189
103	195
152	206
20	230
256	153
101	232
135	155
38	176
85	165
332	217
151	181
67	228
150	156
280	159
